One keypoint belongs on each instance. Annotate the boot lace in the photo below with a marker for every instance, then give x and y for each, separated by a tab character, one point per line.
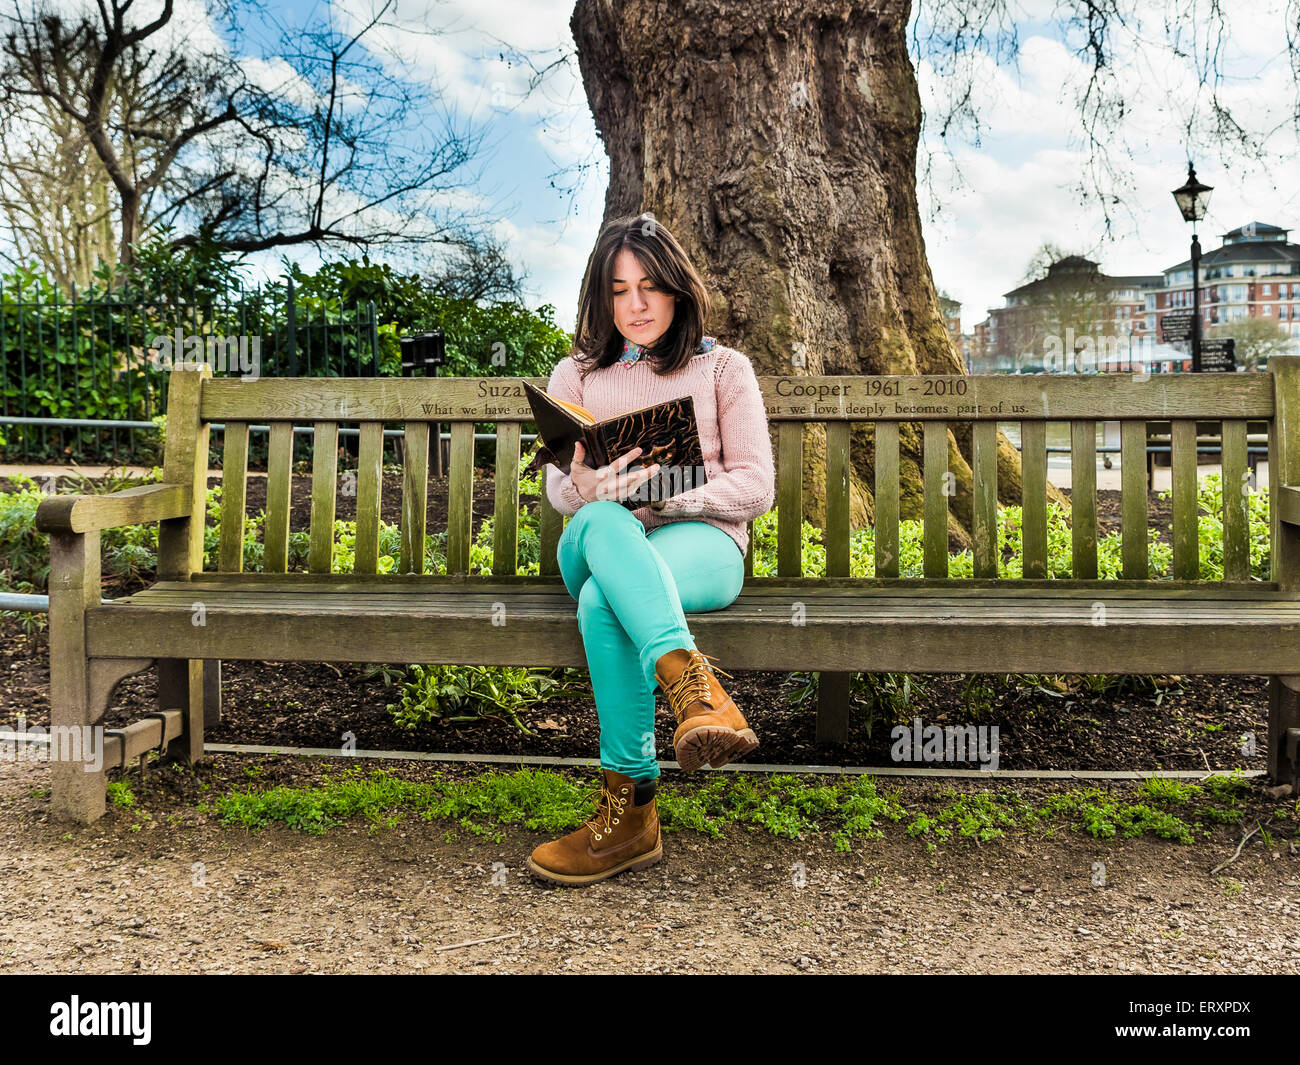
607	805
693	685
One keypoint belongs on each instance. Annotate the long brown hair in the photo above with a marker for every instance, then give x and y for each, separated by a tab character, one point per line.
596	339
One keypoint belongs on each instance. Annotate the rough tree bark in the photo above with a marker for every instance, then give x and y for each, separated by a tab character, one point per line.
778	142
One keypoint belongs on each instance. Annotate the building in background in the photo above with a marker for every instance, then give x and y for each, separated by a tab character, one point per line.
1074	314
980	350
1254	273
1112	323
952	319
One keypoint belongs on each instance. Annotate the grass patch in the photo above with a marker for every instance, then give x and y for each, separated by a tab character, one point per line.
1218	799
546	802
979	817
784	805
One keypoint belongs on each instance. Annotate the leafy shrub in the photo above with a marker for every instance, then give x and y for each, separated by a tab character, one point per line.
463	695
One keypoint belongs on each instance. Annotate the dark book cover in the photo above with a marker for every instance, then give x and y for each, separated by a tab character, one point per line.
667	433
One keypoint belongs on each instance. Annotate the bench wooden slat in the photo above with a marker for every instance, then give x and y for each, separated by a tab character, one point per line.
505	510
1083	497
984	511
1033	510
1025	587
789	499
765	606
1056	397
1275	526
415	495
279	469
1133	499
370	484
550	525
1182	474
1237	638
1236	501
907	587
185	461
887	499
234	492
460	496
935	481
532	601
324	491
836	539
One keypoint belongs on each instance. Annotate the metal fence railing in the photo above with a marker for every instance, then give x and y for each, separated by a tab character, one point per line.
82	378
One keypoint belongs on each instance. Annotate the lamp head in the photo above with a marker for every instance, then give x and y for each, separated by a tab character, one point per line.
1193	198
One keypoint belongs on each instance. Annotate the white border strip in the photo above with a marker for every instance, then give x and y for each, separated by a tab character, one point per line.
735	767
740	767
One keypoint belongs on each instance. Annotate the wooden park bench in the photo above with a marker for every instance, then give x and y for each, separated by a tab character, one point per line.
190	619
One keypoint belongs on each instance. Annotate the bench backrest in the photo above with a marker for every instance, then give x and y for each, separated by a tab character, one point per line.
890	405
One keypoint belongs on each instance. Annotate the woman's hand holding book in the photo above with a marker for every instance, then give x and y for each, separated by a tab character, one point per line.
607	482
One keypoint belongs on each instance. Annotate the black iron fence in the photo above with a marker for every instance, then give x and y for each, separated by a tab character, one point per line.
82	379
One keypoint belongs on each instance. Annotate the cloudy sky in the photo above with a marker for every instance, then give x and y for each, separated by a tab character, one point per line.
985	207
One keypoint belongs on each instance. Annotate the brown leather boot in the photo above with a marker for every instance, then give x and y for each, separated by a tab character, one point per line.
621	836
710	728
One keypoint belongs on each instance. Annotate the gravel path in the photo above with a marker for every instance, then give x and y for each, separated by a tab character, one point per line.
193	896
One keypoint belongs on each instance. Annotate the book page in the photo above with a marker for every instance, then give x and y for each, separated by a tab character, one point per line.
581	413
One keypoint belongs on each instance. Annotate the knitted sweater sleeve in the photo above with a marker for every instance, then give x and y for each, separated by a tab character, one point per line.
560	489
746	488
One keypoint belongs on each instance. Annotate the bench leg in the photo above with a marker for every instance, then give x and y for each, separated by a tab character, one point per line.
1283	714
833	708
180	687
212	692
76	793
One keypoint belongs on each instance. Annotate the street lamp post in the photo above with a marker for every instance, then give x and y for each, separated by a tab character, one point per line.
1193	200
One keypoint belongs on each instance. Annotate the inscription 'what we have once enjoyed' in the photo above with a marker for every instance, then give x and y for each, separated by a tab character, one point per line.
997	397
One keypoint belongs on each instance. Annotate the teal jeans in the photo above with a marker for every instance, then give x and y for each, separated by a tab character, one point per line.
633	591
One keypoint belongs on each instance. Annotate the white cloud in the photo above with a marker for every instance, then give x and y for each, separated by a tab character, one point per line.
277	75
1016	191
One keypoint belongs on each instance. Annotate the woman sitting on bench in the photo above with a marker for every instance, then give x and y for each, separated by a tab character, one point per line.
636	573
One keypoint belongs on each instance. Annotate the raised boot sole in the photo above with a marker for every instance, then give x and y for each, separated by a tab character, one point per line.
714	745
641	861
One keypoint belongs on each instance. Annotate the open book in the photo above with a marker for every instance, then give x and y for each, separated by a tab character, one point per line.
667	433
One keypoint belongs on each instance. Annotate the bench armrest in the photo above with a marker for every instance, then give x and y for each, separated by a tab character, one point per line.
1288	503
131	506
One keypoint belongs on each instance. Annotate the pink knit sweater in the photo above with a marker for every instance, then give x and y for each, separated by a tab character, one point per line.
733	435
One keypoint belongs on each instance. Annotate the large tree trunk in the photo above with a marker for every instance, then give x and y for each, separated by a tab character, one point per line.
778	141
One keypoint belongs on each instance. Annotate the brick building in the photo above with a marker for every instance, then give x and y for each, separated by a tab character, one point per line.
1074	305
1255	272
